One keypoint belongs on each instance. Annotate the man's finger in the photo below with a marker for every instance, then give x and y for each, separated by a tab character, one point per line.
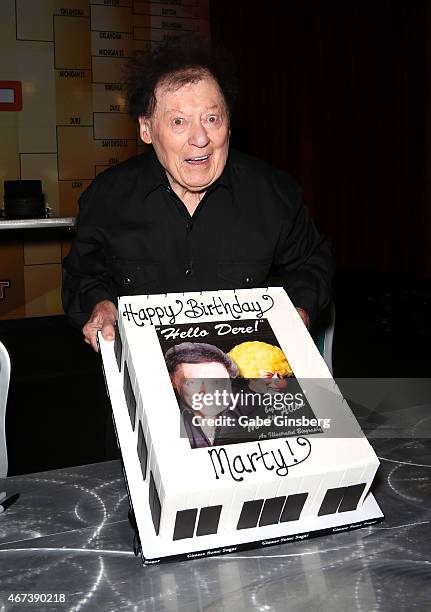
90	333
94	341
304	316
101	319
108	331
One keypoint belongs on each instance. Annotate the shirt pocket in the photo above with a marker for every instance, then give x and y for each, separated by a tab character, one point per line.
132	277
244	274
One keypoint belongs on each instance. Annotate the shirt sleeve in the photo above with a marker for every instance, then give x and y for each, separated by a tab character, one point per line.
85	278
304	260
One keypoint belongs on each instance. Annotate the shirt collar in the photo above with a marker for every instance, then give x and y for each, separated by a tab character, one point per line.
155	176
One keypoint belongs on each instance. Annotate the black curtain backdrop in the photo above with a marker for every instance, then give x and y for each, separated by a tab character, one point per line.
338	93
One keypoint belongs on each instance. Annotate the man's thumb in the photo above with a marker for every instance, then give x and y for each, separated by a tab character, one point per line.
108	331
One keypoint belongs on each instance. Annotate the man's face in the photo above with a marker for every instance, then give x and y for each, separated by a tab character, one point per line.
189	130
268	382
189	379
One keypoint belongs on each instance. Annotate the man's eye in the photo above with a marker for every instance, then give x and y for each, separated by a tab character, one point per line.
212	119
178	122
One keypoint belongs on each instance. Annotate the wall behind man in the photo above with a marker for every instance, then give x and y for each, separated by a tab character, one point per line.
69	56
338	93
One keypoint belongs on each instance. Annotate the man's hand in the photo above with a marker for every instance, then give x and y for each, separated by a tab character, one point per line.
102	319
304	316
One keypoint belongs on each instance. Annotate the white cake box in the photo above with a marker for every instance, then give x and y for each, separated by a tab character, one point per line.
306	471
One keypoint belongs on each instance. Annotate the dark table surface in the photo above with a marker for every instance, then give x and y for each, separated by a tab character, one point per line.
69	534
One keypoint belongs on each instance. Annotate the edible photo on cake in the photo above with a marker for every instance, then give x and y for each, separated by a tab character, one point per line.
233	383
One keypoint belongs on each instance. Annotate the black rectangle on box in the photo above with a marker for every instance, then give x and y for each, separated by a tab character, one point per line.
185	524
208	520
250	514
129	395
155	506
271	511
351	497
331	501
293	507
142	451
118	347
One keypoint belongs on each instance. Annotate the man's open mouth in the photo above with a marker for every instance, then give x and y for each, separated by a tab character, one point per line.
201	159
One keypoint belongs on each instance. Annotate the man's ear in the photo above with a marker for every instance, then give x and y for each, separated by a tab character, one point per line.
145	129
173	381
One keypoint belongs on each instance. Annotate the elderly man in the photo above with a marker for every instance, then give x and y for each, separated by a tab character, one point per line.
191	214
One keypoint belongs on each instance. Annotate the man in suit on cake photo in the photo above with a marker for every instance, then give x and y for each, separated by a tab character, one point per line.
191	214
197	369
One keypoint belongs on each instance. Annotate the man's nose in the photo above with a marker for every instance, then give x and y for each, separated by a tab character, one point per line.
198	136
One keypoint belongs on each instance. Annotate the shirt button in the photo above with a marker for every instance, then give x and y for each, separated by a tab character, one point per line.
126	281
248	280
188	272
189	226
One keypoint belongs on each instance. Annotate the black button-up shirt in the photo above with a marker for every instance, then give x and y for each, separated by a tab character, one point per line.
135	236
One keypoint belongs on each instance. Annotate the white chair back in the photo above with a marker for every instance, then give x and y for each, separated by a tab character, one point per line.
4	388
